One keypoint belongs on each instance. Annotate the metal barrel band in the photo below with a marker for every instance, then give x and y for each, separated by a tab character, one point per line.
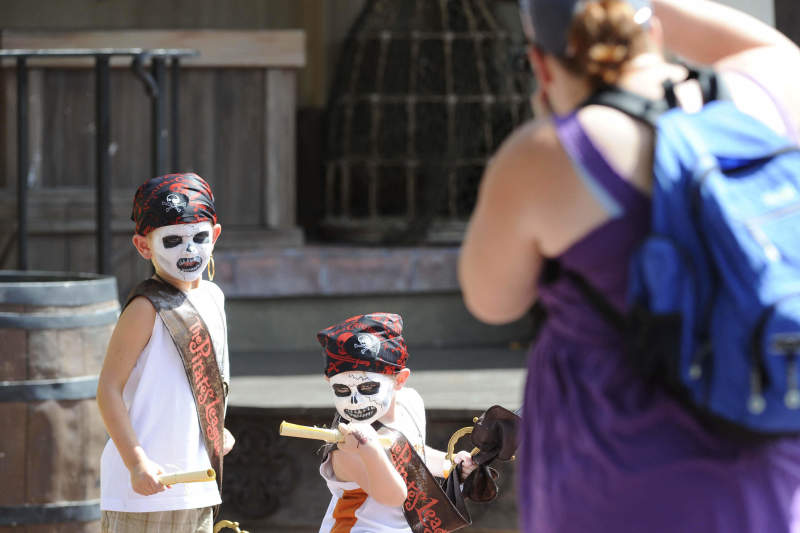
59	321
34	287
50	513
78	388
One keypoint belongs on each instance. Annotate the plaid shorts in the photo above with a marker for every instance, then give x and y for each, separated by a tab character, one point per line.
182	521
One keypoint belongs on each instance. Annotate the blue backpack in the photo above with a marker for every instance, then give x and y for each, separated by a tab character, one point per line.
714	290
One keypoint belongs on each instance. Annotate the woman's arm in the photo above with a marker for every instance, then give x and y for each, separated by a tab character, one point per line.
500	257
706	32
127	342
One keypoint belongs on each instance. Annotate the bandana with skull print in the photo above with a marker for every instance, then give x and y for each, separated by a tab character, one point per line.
172	199
369	343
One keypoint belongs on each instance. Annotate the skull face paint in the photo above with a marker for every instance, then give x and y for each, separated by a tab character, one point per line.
362	396
183	250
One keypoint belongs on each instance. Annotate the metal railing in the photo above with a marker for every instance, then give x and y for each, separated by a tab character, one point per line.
154	81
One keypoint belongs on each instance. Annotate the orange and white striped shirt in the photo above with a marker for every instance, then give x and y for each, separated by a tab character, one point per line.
351	510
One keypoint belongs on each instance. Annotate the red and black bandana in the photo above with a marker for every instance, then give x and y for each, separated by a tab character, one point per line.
172	199
372	343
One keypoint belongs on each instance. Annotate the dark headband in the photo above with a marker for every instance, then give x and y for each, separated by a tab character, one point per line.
172	199
549	21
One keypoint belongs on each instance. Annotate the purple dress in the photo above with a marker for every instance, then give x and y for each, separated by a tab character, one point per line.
601	452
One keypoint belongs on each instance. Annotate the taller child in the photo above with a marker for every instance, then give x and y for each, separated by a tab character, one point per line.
161	391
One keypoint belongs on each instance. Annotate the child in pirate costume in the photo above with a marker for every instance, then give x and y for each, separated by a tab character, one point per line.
377	475
162	387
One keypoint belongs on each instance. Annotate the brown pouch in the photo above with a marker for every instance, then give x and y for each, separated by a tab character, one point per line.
495	434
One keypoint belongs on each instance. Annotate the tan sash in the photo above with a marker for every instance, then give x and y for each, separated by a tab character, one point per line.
427	508
193	342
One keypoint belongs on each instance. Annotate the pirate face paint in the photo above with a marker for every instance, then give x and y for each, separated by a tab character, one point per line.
362	396
182	250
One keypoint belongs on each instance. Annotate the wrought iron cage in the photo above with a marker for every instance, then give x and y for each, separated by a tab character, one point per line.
424	92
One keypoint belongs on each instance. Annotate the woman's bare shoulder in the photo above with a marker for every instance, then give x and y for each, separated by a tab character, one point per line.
520	173
532	141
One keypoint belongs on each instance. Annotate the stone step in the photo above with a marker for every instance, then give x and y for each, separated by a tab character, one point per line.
277	299
455	379
430	320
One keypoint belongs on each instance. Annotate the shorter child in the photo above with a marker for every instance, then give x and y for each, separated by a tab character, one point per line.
166	363
366	368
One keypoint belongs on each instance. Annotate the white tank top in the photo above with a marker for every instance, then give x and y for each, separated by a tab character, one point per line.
163	414
348	502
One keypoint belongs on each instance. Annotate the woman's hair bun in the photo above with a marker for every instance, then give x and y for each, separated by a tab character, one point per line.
603	37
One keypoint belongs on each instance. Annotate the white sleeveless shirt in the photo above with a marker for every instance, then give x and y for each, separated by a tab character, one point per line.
163	414
369	516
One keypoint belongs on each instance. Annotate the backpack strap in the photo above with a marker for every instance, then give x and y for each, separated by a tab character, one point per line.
711	86
710	83
630	103
553	270
647	110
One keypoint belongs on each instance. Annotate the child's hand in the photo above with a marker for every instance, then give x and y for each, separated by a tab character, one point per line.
144	478
227	441
467	464
356	436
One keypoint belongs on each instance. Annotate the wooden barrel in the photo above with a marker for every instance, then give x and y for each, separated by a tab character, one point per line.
54	330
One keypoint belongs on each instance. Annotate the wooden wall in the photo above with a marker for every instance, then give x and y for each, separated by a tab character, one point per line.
325	23
237	129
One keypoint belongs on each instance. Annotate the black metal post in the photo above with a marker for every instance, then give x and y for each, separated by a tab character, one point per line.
22	163
103	139
159	132
174	126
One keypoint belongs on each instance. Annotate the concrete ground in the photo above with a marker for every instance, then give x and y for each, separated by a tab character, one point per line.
447	378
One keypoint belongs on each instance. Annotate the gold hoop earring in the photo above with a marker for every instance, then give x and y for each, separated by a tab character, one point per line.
211	268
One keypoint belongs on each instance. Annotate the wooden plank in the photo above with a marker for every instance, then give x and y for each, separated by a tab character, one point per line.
130	145
55	454
69	157
121	14
8	129
95	342
65	527
62	205
82	253
43	345
14	363
47	253
238	146
198	135
13	417
36	119
279	148
313	86
218	48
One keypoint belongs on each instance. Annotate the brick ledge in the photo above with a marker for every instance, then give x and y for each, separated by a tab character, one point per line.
335	270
